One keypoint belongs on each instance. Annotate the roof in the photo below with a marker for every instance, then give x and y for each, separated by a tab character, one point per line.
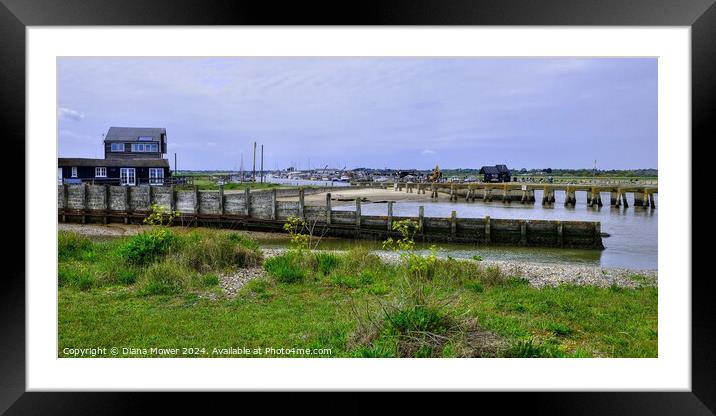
502	168
491	170
128	163
124	134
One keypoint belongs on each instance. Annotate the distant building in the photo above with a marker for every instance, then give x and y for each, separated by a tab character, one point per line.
497	173
133	156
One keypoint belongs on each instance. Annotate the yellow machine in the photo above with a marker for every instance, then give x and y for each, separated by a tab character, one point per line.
436	175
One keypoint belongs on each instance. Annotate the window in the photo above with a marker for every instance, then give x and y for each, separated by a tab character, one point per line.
127	176
145	147
156	176
118	147
100	172
74	171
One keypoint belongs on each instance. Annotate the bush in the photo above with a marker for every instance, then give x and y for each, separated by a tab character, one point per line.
416	319
244	241
165	278
532	349
72	246
326	262
127	277
286	268
346	281
145	248
559	329
209	280
215	250
75	275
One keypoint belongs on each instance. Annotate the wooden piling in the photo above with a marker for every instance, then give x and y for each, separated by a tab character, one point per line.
247	202
523	233
221	200
560	234
301	204
624	200
357	216
196	200
487	229
273	204
328	208
421	215
127	207
105	219
651	200
84	202
64	201
390	216
453	224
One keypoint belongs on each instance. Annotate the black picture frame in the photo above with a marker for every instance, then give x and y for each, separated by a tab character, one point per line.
16	15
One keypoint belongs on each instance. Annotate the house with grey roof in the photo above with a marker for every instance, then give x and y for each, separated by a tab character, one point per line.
132	156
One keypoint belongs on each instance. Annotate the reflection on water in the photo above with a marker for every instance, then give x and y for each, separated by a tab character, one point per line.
633	240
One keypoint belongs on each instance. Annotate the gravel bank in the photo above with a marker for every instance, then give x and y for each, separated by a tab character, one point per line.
549	274
232	284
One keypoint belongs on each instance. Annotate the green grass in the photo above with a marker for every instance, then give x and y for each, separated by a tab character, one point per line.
313	300
207	184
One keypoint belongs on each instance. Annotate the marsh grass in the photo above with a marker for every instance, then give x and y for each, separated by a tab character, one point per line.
351	302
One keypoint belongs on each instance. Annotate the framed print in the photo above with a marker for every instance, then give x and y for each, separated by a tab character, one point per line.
408	197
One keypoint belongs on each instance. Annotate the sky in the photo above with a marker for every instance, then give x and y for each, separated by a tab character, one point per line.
369	112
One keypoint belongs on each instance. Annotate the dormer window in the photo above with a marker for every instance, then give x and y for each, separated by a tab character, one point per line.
118	147
145	147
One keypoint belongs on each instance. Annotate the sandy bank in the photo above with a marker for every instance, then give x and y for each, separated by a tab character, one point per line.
372	195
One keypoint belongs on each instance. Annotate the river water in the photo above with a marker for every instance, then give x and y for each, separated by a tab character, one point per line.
633	240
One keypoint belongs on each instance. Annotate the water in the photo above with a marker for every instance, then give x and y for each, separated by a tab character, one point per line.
632	243
305	182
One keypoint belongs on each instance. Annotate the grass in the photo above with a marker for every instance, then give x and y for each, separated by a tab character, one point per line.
312	300
207	184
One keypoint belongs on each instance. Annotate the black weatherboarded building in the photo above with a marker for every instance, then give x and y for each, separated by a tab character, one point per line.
132	156
497	173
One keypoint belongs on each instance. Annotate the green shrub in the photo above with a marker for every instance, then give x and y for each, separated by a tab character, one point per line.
532	349
326	262
343	280
244	241
366	277
127	276
286	268
165	278
148	247
257	288
475	286
477	257
209	280
211	250
75	275
73	246
416	318
559	329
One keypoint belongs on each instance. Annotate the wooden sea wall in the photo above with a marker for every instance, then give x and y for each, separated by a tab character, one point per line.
261	210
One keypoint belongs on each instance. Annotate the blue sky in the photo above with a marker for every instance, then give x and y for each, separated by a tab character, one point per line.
369	112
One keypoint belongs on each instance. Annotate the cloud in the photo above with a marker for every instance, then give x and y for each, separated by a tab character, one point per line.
428	152
69	114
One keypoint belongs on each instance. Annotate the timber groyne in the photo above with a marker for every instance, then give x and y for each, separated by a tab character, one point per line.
642	196
262	211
